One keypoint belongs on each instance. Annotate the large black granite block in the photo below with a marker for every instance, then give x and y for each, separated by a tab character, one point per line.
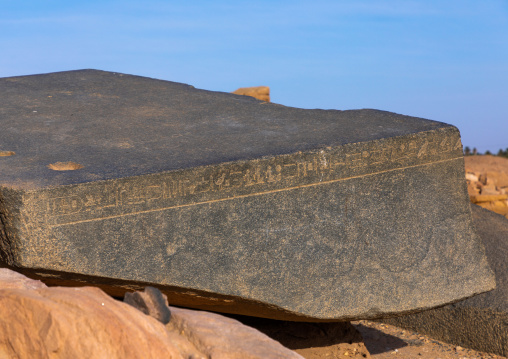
232	204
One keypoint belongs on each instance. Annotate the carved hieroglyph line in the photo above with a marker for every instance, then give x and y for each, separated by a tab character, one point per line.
251	194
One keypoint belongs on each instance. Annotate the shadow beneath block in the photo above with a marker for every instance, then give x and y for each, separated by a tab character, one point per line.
311	340
378	342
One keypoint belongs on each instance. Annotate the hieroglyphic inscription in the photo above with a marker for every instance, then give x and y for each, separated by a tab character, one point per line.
212	183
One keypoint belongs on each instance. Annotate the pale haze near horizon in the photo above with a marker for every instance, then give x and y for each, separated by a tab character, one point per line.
442	60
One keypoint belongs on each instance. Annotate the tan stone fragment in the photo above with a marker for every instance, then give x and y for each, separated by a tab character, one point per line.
471	177
472	189
489	190
498	179
259	92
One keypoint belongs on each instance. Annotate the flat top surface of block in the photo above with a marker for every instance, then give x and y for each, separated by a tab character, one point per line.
116	125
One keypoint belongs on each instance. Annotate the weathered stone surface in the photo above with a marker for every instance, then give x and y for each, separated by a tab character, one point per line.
15	280
151	302
56	322
225	338
498	179
480	322
229	204
259	92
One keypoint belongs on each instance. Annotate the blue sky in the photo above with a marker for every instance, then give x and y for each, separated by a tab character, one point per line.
442	60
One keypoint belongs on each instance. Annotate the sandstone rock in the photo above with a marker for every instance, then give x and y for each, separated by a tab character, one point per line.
471	177
225	338
13	280
41	322
259	92
489	190
483	179
498	179
472	189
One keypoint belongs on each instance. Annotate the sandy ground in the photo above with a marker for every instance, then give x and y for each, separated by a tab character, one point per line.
373	340
387	341
486	163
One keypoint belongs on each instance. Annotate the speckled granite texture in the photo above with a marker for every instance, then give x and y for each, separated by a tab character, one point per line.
231	204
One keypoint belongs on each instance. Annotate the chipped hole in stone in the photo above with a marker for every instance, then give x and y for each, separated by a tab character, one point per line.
7	153
65	166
